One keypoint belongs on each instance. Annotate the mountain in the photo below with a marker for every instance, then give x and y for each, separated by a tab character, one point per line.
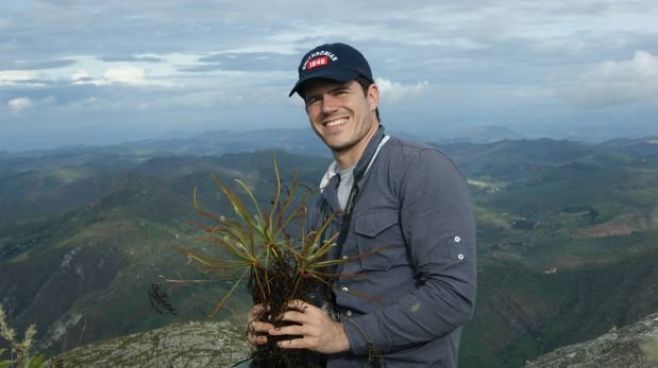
567	244
218	142
525	311
566	237
633	346
78	252
218	344
482	134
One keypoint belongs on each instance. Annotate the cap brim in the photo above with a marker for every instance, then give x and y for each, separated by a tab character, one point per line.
337	75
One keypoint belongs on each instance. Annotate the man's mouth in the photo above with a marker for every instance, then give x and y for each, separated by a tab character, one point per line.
335	122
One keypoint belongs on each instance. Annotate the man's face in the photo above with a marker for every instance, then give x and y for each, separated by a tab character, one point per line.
341	114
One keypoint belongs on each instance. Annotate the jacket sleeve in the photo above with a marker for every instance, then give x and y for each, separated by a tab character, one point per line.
439	230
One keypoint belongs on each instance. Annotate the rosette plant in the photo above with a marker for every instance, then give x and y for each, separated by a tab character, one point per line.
258	250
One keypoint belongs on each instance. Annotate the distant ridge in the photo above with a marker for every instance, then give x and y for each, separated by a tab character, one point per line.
483	134
211	142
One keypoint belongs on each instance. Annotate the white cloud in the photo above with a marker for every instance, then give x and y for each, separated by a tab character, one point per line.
496	54
19	104
14	77
620	82
394	91
80	74
126	74
132	75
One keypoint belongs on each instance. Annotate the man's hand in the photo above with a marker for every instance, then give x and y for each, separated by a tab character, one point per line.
257	331
319	332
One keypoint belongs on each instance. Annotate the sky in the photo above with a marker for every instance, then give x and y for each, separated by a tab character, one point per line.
91	72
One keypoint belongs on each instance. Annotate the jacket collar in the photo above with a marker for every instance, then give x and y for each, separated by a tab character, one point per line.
364	162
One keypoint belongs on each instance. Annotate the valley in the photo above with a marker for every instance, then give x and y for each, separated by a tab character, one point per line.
567	237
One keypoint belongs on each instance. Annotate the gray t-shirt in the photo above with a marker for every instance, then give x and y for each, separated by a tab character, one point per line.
345	186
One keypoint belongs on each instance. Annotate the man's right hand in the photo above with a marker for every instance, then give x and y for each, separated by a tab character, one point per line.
257	331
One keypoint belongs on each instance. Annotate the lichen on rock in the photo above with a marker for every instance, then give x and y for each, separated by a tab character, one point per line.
632	346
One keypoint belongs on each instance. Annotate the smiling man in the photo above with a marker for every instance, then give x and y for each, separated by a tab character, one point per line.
340	114
406	231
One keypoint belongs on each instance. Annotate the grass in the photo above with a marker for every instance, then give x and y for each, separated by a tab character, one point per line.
530	313
21	348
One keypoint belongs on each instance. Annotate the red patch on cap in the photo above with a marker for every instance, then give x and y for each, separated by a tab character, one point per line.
317	61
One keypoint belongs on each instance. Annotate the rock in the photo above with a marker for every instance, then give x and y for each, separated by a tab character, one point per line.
633	346
192	344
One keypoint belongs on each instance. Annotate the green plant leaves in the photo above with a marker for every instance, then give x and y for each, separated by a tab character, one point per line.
256	243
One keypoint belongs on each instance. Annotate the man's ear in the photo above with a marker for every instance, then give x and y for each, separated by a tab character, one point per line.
373	97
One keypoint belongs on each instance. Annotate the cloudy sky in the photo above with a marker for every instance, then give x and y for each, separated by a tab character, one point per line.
92	72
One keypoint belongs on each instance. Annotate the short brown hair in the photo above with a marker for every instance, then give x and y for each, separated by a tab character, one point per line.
365	83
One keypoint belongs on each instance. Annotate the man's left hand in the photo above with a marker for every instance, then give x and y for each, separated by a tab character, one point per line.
317	330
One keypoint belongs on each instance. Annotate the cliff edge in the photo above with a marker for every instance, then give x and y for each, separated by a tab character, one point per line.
633	346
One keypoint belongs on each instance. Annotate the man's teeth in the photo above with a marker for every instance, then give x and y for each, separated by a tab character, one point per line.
336	122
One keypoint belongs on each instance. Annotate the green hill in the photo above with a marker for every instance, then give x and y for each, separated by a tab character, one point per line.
567	238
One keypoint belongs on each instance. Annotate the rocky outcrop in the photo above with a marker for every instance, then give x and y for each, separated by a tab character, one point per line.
634	346
190	345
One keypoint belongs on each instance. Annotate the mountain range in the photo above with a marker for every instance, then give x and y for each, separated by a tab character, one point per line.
566	235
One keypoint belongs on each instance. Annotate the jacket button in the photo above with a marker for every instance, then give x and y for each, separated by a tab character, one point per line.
345	289
458	239
460	257
348	313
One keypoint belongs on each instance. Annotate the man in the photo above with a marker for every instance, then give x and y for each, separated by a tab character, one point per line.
406	225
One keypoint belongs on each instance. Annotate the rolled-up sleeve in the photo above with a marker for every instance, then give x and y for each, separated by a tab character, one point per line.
439	231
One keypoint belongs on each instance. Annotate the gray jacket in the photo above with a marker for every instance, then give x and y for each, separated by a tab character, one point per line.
409	283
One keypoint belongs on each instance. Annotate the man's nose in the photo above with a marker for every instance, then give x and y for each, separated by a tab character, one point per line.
329	104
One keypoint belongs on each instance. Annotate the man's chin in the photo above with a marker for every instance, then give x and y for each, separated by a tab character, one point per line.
340	147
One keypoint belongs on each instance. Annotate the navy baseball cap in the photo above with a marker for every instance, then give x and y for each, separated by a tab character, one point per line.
335	61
